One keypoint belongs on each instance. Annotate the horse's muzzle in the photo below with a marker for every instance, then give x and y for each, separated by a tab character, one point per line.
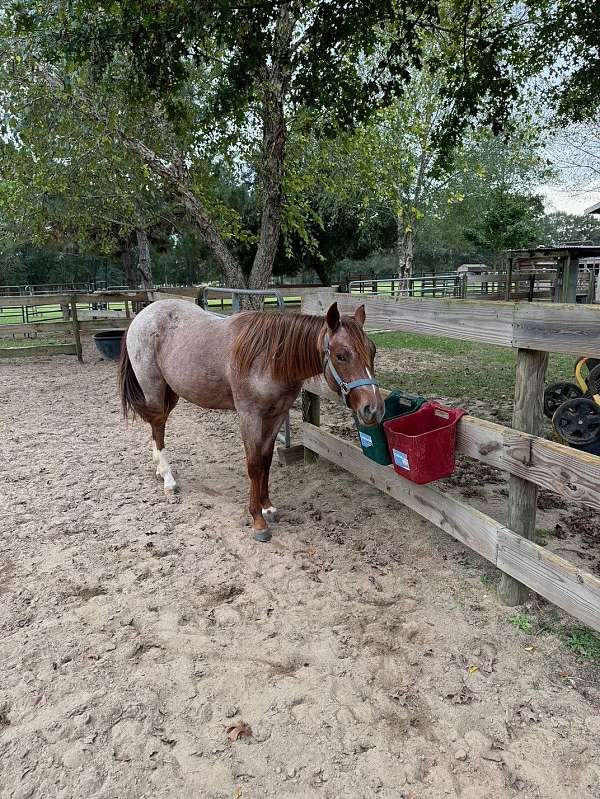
370	415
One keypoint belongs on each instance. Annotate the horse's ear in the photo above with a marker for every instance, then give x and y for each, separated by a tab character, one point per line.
360	315
333	317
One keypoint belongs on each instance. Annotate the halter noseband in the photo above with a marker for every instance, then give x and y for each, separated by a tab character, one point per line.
345	388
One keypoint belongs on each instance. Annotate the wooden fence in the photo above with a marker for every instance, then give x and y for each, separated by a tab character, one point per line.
72	324
531	461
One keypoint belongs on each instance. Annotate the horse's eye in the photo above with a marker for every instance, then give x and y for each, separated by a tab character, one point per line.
341	357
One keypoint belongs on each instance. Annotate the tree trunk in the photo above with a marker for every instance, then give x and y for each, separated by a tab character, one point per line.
405	244
273	149
128	267
144	261
320	268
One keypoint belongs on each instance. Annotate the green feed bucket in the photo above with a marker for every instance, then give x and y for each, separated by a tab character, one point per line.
372	439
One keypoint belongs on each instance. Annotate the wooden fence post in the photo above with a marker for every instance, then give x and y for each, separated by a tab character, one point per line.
75	322
528	417
311	413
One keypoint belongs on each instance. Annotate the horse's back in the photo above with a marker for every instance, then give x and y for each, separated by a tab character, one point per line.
190	347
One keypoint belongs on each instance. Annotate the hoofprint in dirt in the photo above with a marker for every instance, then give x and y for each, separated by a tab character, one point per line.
361	646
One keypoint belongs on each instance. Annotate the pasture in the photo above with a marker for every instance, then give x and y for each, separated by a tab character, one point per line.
365	649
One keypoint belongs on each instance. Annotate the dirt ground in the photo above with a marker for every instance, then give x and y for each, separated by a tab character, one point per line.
361	646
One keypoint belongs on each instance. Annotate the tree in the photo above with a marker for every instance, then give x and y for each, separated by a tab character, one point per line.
575	152
179	85
511	221
62	187
560	227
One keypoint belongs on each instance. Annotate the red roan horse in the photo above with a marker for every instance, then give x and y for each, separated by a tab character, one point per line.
254	363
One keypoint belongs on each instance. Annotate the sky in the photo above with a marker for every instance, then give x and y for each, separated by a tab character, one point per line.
556	199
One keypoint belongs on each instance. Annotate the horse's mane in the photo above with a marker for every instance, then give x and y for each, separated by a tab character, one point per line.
288	342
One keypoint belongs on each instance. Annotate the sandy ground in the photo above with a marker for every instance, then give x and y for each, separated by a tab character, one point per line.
361	646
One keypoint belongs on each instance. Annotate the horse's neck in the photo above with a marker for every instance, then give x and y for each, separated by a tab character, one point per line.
312	366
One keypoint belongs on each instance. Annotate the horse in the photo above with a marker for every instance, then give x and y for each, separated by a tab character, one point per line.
252	362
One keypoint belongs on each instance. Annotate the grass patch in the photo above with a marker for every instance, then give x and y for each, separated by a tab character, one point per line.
41	341
583	642
523	622
473	371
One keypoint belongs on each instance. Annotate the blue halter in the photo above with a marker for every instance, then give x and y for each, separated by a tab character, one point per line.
345	388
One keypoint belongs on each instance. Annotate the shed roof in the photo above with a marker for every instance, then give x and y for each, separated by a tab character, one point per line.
593	209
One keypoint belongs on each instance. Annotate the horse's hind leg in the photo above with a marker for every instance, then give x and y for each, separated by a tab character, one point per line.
145	391
163	467
160	401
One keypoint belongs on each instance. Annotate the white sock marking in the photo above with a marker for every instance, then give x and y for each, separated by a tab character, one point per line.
164	470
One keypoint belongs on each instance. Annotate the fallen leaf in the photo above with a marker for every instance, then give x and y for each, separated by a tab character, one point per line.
472	669
530	648
238	730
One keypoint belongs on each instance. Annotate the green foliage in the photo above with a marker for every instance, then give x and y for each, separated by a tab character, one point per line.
379	99
583	642
510	221
344	65
523	622
562	227
580	640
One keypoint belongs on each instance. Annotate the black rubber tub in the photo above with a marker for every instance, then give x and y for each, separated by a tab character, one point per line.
108	343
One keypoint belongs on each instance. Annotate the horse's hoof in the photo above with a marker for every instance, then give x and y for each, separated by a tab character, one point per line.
262	535
172	494
270	515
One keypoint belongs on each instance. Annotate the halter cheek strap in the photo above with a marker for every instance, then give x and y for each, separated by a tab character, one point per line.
345	388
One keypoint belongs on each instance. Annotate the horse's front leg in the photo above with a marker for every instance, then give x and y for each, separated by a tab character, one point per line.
269	511
259	434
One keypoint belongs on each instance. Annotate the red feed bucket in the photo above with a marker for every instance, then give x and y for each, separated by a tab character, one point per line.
422	444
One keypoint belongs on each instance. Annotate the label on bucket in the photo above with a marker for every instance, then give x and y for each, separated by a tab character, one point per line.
401	459
365	440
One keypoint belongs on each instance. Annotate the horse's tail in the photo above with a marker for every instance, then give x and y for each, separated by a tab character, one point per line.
132	396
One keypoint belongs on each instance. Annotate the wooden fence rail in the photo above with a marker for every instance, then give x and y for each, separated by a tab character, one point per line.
531	460
554	327
74	325
9	301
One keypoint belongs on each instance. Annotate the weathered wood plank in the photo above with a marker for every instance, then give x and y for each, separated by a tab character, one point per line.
466	524
9	301
75	323
57	326
551	576
311	413
550	327
116	323
285	291
528	416
85	325
568	472
44	349
469	320
558	327
168	295
289	455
